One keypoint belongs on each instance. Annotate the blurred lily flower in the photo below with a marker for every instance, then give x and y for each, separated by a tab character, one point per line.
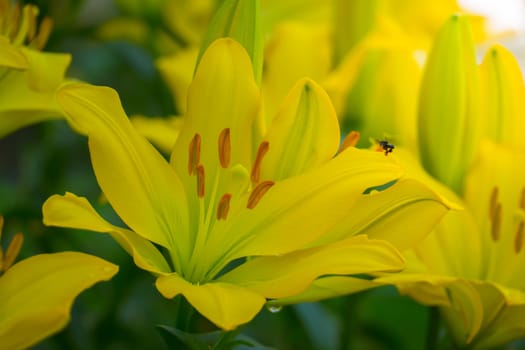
28	77
36	294
471	266
243	217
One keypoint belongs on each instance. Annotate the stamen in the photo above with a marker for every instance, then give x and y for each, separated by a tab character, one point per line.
496	223
522	199
194	156
225	148
258	192
44	31
493	201
518	239
12	251
350	140
223	207
199	170
256	169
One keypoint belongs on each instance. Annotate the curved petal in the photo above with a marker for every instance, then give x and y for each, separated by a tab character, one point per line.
140	185
28	96
290	274
76	212
304	134
36	294
226	305
11	56
328	204
162	132
327	287
223	95
296	50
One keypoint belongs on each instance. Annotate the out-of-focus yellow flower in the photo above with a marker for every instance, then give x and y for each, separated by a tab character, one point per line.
28	77
471	266
36	294
279	205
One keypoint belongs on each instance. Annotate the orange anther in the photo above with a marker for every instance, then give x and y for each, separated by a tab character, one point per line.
194	153
225	148
258	192
256	169
224	206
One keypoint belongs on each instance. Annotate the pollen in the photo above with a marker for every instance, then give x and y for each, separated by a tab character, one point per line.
350	140
225	148
258	192
200	180
493	201
12	251
256	169
224	206
194	154
495	228
518	238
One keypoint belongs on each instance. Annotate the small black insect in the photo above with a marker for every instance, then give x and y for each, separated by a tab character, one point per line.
386	146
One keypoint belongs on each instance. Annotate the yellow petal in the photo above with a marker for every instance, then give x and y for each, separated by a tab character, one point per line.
304	134
226	305
177	72
162	132
504	96
11	56
298	211
465	315
296	50
76	212
140	185
28	96
36	294
223	95
289	274
327	287
46	70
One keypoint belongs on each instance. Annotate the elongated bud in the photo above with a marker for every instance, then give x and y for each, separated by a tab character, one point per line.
450	121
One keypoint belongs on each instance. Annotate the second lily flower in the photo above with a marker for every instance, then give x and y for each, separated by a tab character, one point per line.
275	200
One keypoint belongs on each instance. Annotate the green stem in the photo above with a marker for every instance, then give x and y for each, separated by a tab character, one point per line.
433	328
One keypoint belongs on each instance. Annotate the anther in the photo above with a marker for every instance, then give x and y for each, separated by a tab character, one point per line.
258	192
518	239
350	140
224	206
495	228
522	199
493	201
12	251
199	170
194	154
225	148
256	169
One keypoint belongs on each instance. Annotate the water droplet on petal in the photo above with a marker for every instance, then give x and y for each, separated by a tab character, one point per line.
274	308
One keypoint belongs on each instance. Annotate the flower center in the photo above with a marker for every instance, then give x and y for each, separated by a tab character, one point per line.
231	189
19	25
495	218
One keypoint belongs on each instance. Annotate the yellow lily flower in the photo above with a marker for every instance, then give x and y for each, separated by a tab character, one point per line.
34	298
28	77
471	266
243	218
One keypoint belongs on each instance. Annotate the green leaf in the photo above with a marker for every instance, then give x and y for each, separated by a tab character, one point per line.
239	20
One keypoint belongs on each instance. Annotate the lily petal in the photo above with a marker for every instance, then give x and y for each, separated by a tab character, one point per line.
327	287
140	185
289	274
34	299
75	212
11	56
226	305
303	135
